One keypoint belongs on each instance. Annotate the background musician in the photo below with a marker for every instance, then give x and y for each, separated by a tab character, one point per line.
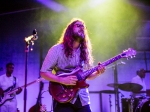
9	81
139	79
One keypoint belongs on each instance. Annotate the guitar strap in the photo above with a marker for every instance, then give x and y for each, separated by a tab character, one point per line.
13	86
14	82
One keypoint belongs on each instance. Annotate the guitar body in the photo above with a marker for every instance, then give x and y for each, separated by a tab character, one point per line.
5	98
63	93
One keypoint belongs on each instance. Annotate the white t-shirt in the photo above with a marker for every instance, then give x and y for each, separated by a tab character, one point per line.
5	83
138	80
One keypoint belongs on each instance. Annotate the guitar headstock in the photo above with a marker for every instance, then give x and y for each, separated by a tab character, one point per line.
129	53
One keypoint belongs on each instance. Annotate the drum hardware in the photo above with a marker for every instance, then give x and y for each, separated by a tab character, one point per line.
121	95
108	91
114	85
131	103
131	87
143	106
110	104
105	92
140	92
147	92
135	104
128	104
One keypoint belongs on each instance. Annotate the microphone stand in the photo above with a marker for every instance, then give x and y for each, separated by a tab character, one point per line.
117	107
27	49
26	60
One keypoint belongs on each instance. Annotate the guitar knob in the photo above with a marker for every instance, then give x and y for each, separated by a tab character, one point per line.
65	90
64	96
69	95
71	90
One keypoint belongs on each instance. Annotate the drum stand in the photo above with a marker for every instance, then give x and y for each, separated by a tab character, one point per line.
115	85
131	104
110	104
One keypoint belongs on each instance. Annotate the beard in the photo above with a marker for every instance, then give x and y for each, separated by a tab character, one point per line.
78	36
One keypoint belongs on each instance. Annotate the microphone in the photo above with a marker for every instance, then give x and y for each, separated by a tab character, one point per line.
122	62
32	37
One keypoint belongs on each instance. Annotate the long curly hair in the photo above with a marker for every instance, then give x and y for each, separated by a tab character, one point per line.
85	45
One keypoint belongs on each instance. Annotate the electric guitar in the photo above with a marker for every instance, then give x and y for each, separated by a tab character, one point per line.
10	94
64	94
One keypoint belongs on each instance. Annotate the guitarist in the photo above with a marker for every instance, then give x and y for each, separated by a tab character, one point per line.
7	83
73	50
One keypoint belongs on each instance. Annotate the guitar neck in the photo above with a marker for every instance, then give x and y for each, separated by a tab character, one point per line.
112	60
28	84
25	85
105	63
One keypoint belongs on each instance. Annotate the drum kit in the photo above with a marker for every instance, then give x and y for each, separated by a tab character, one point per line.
134	103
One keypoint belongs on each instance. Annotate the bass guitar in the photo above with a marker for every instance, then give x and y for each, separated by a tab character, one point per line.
9	94
63	93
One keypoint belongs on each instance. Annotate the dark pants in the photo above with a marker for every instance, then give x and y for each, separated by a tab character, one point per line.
68	107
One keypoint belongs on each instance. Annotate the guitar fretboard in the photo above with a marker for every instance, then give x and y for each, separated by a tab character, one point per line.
38	80
111	60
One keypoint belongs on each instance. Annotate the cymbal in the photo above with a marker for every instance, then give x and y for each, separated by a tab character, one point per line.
113	85
108	91
147	92
140	92
133	87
